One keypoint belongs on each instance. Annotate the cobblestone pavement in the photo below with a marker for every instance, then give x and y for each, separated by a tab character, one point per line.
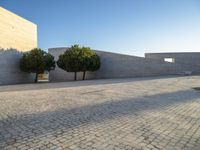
115	114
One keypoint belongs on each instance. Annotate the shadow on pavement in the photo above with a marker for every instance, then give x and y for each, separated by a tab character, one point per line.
33	125
24	87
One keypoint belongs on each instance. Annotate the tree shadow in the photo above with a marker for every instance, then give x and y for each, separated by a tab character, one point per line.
34	125
56	85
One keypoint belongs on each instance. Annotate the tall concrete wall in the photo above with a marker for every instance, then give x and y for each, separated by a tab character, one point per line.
9	68
16	32
120	66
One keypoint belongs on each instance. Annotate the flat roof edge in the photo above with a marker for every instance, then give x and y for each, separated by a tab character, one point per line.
12	13
174	53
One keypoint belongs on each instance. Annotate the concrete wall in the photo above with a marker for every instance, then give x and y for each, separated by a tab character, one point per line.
120	66
190	61
9	68
16	32
112	66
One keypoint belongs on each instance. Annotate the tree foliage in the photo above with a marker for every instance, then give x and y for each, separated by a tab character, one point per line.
70	60
90	60
37	61
79	59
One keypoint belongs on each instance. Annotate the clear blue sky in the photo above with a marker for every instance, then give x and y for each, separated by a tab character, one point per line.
123	26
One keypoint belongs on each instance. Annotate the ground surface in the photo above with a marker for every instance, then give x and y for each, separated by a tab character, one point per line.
118	114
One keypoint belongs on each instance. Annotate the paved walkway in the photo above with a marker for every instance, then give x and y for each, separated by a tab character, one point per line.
118	114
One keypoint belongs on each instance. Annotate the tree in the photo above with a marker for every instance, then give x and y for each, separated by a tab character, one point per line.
90	61
37	61
70	61
79	59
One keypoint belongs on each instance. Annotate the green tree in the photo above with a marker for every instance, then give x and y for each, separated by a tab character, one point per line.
79	59
37	61
70	60
90	61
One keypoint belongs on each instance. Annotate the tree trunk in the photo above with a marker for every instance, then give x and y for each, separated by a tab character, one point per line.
84	72
36	78
75	76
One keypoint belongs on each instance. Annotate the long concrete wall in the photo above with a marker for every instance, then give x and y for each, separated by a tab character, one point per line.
9	68
120	66
16	32
112	66
192	60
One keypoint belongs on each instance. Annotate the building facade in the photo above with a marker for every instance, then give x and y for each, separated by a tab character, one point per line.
17	35
16	32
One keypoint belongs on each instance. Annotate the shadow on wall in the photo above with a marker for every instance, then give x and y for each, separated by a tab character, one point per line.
44	123
9	65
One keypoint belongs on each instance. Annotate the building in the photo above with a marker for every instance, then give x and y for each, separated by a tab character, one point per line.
21	35
16	32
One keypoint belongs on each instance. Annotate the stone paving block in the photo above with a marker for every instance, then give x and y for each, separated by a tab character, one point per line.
125	114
